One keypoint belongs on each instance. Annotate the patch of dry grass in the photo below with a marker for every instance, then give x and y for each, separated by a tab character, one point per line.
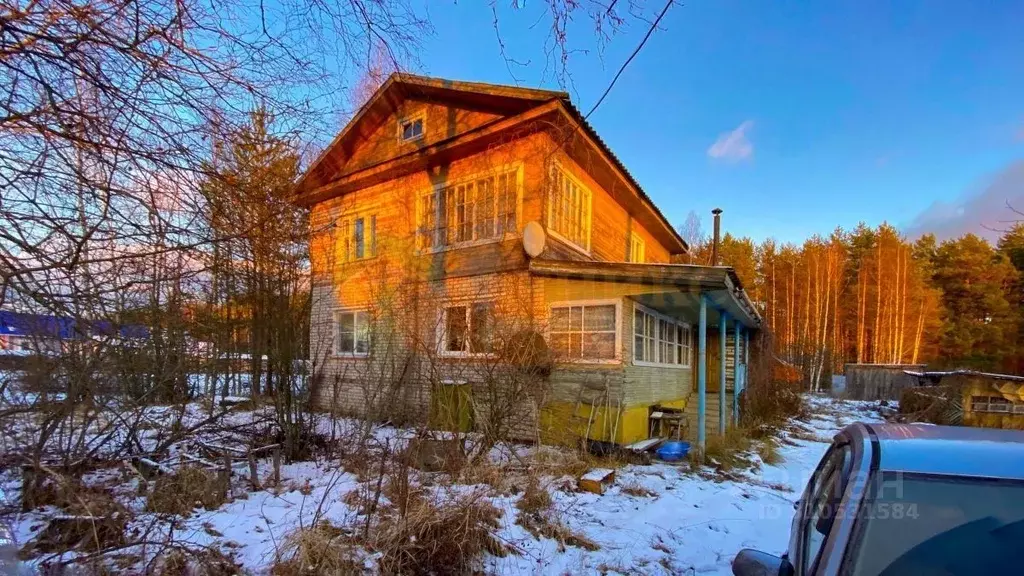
535	498
726	453
205	562
185	490
768	450
537	517
546	525
809	437
444	537
319	549
637	489
93	519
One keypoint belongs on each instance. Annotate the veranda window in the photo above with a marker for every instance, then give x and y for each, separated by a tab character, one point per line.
584	332
658	339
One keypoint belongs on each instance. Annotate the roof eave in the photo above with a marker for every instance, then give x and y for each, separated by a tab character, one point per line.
679	276
591	132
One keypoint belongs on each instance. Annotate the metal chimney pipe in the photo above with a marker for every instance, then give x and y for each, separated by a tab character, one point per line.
718	236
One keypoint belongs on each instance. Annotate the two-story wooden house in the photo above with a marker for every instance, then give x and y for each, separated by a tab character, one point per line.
419	208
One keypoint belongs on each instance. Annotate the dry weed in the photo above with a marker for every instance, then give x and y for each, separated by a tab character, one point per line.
190	487
535	498
445	537
92	520
809	437
726	453
768	450
635	488
544	524
319	549
538	518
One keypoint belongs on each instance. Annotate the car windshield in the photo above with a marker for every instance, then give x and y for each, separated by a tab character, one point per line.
917	524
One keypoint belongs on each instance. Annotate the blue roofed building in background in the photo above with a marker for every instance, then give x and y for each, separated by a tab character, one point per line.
24	333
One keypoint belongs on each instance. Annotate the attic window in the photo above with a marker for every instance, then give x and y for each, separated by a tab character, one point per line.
410	129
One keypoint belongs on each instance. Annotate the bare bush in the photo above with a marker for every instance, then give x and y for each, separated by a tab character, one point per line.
767	402
318	549
447	536
190	487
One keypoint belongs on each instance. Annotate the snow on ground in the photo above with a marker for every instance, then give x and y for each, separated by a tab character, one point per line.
693	523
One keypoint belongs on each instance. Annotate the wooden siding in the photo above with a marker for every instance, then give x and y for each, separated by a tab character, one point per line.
441	122
394	204
611	224
711	418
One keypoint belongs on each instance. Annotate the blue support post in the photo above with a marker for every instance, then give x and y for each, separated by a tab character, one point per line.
746	356
737	374
702	372
723	335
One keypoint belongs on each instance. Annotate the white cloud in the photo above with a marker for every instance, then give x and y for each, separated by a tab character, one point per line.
733	146
987	210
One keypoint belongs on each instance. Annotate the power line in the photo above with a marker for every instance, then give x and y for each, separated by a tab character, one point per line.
630	59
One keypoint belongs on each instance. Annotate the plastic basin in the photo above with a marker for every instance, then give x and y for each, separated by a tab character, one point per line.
672	451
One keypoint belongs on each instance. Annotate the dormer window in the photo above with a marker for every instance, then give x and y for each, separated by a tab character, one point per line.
410	129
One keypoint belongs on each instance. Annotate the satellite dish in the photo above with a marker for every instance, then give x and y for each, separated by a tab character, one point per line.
534	238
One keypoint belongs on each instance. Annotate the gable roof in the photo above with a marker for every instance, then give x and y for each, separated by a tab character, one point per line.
511	100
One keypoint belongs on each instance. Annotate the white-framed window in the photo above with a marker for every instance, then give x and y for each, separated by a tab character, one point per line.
658	339
359	236
351	333
636	248
467	329
411	128
569	207
478	209
587	331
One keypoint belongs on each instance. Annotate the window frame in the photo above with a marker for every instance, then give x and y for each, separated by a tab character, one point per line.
837	465
985	405
617	302
421	116
636	240
335	333
515	168
348	233
658	318
557	166
442	329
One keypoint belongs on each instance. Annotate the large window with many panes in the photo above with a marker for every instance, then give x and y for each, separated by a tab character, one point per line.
569	205
659	339
480	208
585	331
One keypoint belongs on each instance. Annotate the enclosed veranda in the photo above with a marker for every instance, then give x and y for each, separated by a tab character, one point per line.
720	317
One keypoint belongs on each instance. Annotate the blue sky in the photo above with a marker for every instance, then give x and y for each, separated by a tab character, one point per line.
825	113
